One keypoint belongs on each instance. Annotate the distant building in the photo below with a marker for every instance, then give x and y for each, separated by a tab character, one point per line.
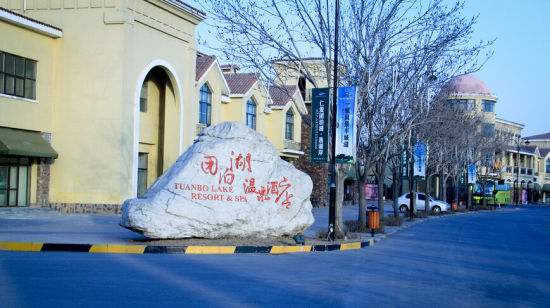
469	93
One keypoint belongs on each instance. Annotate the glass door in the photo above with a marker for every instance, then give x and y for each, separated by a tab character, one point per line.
4	185
14	181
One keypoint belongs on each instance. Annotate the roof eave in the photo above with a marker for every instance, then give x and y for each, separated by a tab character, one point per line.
32	25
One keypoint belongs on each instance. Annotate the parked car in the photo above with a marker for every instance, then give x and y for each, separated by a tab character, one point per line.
436	206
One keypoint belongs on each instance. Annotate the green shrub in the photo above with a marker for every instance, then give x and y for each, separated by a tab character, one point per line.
392	221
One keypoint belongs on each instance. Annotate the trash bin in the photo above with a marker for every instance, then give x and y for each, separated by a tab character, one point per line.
374	219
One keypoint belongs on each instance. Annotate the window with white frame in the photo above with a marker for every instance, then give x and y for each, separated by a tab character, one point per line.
205	105
17	76
289	125
251	114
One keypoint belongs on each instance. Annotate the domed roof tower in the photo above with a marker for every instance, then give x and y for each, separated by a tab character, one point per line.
468	84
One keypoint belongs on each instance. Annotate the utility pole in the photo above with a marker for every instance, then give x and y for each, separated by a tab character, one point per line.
332	205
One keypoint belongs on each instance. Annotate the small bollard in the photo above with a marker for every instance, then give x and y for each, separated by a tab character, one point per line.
374	219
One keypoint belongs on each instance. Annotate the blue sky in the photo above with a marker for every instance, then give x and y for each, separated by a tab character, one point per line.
519	71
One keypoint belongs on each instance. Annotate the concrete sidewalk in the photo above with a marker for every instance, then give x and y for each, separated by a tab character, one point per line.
45	225
48	226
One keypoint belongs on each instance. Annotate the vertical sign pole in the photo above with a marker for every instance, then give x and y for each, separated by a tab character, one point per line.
332	205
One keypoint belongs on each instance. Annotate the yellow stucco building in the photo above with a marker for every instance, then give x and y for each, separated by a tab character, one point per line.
99	98
226	94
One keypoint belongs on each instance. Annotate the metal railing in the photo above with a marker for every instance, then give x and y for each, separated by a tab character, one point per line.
292	145
200	127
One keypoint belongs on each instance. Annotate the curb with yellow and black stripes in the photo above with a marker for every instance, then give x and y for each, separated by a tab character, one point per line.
146	249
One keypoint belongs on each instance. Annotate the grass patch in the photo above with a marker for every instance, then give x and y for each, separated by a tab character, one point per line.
417	214
355	226
392	221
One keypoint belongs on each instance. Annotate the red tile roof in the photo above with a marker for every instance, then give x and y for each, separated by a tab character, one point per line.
240	83
281	95
203	63
545	136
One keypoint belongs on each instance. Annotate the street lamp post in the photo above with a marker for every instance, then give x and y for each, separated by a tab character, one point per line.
332	204
518	189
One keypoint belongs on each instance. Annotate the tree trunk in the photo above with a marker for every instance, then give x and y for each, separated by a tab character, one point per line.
338	223
427	193
444	188
396	181
484	183
469	202
362	179
456	192
380	182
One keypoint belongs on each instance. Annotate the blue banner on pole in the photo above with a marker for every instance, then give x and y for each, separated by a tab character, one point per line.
345	127
472	174
420	152
320	103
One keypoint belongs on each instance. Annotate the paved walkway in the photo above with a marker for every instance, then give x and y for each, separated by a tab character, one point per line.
42	225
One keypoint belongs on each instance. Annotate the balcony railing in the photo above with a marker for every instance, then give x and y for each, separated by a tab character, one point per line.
292	145
200	127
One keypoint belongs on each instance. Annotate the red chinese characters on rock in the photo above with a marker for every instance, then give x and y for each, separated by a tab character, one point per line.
272	189
210	166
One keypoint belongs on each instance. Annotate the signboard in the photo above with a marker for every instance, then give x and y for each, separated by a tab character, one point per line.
371	192
420	152
345	127
320	107
472	173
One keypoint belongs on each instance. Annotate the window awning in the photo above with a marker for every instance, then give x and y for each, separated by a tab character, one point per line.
24	143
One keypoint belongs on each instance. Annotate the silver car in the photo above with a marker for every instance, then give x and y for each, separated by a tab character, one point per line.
436	206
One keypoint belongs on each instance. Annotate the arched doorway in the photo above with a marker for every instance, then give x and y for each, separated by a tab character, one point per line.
157	102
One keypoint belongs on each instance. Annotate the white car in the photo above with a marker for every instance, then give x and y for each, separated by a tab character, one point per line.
436	206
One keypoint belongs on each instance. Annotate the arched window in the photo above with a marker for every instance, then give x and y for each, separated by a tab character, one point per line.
205	105
251	114
289	125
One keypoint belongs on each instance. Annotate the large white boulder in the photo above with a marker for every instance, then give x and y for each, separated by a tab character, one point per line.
230	183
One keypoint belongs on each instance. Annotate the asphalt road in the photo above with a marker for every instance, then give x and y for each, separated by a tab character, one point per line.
490	259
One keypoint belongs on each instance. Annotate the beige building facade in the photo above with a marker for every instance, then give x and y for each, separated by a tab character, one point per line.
107	95
92	60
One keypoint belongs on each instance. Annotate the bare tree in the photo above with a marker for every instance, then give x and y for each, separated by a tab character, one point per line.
389	49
